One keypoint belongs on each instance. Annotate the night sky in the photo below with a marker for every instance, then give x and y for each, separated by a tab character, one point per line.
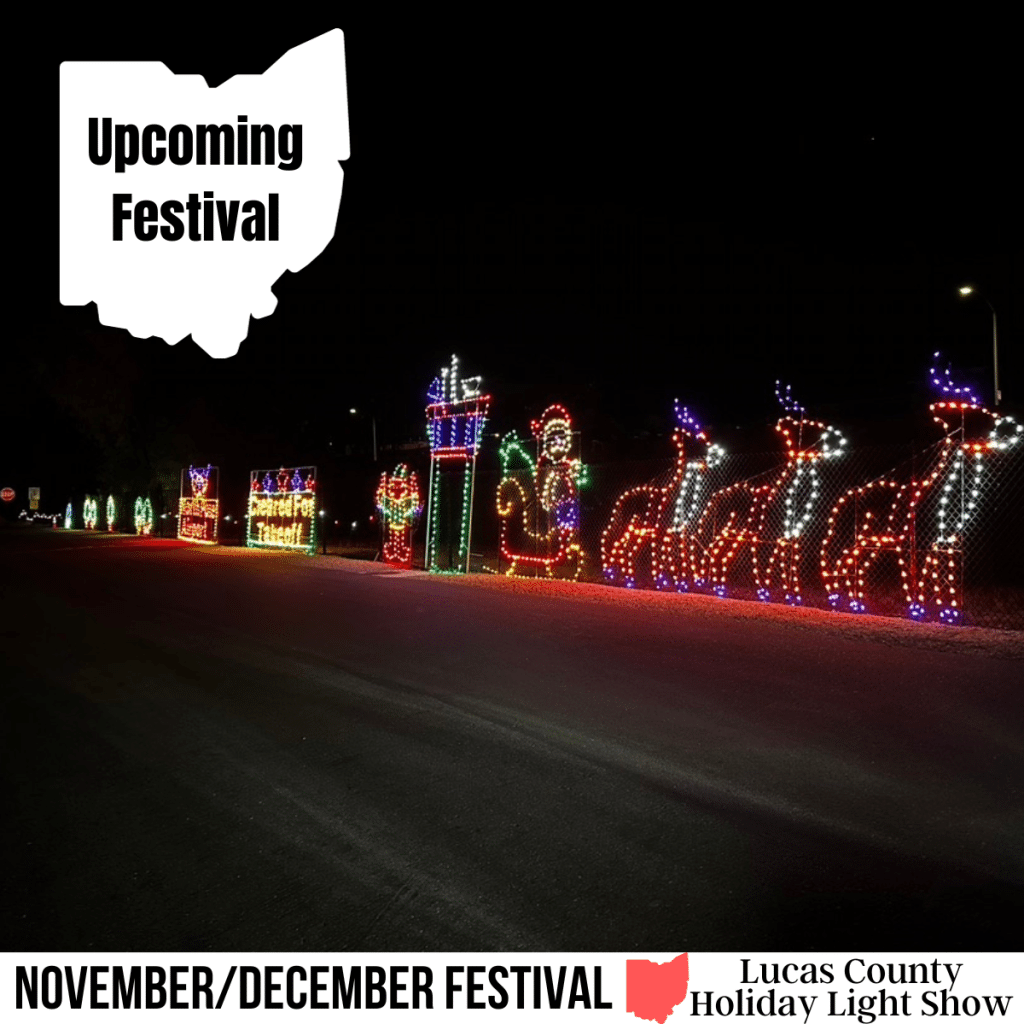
605	213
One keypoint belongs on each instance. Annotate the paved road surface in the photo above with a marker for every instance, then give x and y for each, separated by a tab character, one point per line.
217	749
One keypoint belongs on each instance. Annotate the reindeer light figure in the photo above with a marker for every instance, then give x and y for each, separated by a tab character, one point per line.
884	517
658	519
199	478
549	489
398	500
746	515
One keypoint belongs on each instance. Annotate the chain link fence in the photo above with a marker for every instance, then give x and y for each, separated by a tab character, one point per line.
930	532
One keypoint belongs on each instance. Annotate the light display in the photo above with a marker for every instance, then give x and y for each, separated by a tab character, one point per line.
769	518
111	513
90	512
888	516
198	506
398	500
657	520
456	415
143	515
542	499
282	509
69	517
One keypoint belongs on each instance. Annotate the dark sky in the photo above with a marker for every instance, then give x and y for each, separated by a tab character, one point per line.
603	212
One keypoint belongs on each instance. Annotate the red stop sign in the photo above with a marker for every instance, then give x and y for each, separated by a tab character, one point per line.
7	494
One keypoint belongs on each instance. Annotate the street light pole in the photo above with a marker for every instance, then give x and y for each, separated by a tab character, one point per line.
373	426
970	290
995	353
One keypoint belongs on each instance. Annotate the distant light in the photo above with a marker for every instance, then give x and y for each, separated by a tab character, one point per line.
352	412
354	524
966	290
322	513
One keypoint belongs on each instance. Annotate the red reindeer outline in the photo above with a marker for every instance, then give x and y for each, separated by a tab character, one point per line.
638	520
736	518
883	515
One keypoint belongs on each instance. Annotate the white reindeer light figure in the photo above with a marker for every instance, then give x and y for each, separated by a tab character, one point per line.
638	521
769	519
884	517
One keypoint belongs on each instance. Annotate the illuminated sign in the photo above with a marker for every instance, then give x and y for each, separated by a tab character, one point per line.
282	509
198	506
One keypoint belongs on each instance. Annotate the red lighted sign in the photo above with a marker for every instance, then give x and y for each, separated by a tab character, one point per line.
7	494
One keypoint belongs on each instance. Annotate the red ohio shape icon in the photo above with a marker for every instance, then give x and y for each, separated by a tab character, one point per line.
653	990
7	494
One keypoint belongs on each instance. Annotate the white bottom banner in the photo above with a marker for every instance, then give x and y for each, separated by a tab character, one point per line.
717	987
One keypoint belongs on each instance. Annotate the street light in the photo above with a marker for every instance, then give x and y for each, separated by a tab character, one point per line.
965	292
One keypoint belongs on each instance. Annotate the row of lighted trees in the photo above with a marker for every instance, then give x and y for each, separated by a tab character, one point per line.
142	514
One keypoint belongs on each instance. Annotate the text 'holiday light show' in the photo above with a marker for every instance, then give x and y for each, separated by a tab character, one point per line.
198	506
399	503
282	509
456	415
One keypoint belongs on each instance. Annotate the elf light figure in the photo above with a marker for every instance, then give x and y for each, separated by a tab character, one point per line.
658	519
90	512
545	495
456	415
399	503
111	513
143	515
769	517
919	521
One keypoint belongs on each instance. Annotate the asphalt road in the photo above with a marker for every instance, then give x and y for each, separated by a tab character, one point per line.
218	749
